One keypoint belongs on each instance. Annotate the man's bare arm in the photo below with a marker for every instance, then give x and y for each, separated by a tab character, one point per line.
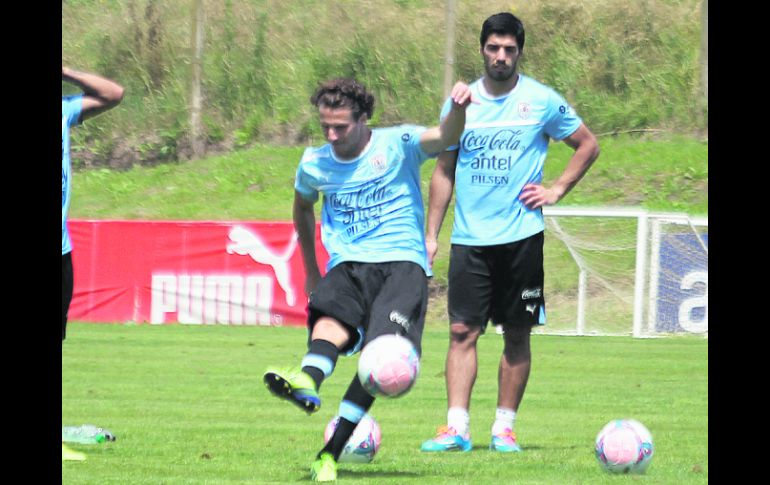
586	152
438	138
99	93
304	224
441	186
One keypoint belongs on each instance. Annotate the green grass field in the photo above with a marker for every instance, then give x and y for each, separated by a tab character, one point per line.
188	407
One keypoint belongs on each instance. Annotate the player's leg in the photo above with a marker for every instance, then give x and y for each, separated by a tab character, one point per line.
397	295
400	303
469	296
326	339
512	377
461	370
300	385
518	304
334	308
66	291
355	404
67	454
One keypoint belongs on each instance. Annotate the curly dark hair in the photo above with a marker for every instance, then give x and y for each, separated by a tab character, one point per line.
344	93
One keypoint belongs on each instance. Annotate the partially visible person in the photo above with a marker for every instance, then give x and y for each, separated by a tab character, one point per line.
99	95
372	226
496	258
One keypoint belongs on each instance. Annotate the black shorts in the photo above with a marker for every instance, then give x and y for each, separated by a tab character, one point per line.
66	290
373	299
502	282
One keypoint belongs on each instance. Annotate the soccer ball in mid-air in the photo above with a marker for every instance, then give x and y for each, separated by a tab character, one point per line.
624	446
388	366
362	444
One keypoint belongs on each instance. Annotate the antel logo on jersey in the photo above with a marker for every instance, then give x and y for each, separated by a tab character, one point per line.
227	298
530	293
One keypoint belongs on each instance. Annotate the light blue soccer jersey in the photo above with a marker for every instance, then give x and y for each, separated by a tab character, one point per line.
71	107
372	208
502	149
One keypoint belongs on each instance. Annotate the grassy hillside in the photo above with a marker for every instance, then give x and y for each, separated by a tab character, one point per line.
623	65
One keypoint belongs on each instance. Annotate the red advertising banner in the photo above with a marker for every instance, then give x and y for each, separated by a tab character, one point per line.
238	273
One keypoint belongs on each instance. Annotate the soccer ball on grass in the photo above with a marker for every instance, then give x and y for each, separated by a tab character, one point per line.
388	366
624	446
362	444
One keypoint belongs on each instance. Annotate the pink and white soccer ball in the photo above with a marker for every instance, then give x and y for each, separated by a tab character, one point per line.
362	444
388	366
624	446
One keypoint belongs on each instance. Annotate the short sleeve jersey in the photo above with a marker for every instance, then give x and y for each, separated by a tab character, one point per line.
503	148
71	107
372	208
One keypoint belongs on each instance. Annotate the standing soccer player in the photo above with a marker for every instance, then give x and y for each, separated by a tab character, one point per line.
496	258
99	95
372	226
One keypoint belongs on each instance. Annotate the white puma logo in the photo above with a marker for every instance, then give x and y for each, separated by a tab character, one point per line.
531	308
246	243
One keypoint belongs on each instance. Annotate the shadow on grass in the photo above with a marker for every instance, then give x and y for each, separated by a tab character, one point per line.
360	474
382	475
524	449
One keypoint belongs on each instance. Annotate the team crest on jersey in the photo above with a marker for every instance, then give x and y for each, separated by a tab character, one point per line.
379	163
524	110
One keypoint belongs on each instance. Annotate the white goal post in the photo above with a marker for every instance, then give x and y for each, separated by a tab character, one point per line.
625	271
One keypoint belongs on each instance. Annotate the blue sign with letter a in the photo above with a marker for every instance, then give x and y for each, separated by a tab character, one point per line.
682	285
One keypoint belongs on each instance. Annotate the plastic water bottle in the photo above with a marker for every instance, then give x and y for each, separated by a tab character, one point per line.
86	434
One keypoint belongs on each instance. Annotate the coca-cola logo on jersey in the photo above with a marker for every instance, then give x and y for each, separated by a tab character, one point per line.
506	139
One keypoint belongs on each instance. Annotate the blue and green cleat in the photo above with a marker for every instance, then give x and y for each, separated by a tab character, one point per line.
324	469
505	442
295	386
447	439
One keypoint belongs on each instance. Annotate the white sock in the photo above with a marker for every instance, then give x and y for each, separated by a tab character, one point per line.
459	419
504	418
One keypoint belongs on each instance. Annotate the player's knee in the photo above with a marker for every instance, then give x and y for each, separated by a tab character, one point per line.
517	340
463	335
331	330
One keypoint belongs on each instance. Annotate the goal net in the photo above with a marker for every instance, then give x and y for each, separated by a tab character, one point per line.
625	271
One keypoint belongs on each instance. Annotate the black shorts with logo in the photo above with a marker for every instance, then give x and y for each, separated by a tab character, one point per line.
66	290
502	282
373	299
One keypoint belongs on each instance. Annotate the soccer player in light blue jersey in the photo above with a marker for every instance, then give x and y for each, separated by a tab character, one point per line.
99	94
372	226
496	258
